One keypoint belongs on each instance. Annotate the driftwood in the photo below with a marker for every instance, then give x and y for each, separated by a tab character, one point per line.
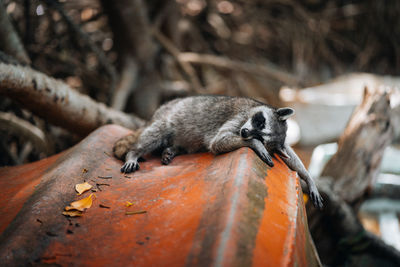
58	103
361	146
336	230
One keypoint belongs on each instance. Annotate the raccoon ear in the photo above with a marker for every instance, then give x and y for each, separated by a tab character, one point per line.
284	113
282	153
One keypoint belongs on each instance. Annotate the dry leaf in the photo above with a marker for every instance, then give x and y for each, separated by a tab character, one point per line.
72	213
82	204
81	188
128	204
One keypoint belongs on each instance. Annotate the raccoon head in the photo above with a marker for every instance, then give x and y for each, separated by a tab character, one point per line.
269	126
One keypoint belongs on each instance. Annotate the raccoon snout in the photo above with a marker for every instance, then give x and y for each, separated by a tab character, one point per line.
245	133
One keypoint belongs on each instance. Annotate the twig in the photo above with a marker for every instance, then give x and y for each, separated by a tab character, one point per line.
104	177
135	212
108	67
174	51
225	63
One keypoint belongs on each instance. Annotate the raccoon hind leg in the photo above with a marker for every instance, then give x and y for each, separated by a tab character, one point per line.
169	154
124	144
150	139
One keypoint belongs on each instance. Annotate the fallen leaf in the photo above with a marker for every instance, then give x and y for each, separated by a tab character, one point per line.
135	212
72	213
305	198
84	170
81	188
82	204
128	204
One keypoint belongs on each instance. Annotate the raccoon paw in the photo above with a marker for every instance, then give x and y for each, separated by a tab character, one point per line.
264	156
130	166
168	155
316	198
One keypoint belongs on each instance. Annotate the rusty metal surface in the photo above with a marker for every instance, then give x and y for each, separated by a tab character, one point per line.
201	210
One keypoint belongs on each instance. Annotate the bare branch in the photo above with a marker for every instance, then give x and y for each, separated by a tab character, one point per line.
126	84
186	66
57	102
225	63
108	67
10	42
23	128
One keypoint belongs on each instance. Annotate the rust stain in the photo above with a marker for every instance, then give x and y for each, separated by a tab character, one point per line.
18	184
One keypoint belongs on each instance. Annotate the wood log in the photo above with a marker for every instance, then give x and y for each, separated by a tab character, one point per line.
360	149
58	103
337	231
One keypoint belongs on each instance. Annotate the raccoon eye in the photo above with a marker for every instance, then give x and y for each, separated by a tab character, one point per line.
258	120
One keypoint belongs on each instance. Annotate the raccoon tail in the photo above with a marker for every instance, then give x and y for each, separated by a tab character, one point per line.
125	144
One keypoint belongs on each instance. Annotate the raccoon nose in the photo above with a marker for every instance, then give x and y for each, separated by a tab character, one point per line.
245	133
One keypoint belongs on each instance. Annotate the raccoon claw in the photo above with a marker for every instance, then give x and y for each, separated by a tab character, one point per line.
130	166
267	159
316	199
166	158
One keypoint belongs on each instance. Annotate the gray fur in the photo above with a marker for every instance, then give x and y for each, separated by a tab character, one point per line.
214	123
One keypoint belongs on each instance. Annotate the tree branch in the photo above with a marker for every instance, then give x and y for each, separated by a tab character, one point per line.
108	67
225	63
9	39
186	66
126	84
56	102
20	127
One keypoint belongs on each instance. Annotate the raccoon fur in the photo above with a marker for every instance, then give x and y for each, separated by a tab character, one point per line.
217	124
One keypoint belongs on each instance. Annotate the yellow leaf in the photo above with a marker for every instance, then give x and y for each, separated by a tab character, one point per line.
128	204
82	204
305	198
72	213
81	188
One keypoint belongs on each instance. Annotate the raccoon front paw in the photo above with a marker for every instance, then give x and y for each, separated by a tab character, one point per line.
264	156
130	166
316	198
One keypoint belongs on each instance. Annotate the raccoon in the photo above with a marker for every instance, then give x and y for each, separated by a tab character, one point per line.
217	124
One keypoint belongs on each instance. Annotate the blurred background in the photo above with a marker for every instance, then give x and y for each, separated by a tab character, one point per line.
135	55
314	55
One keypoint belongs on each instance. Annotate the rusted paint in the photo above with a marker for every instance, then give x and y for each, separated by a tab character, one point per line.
201	210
